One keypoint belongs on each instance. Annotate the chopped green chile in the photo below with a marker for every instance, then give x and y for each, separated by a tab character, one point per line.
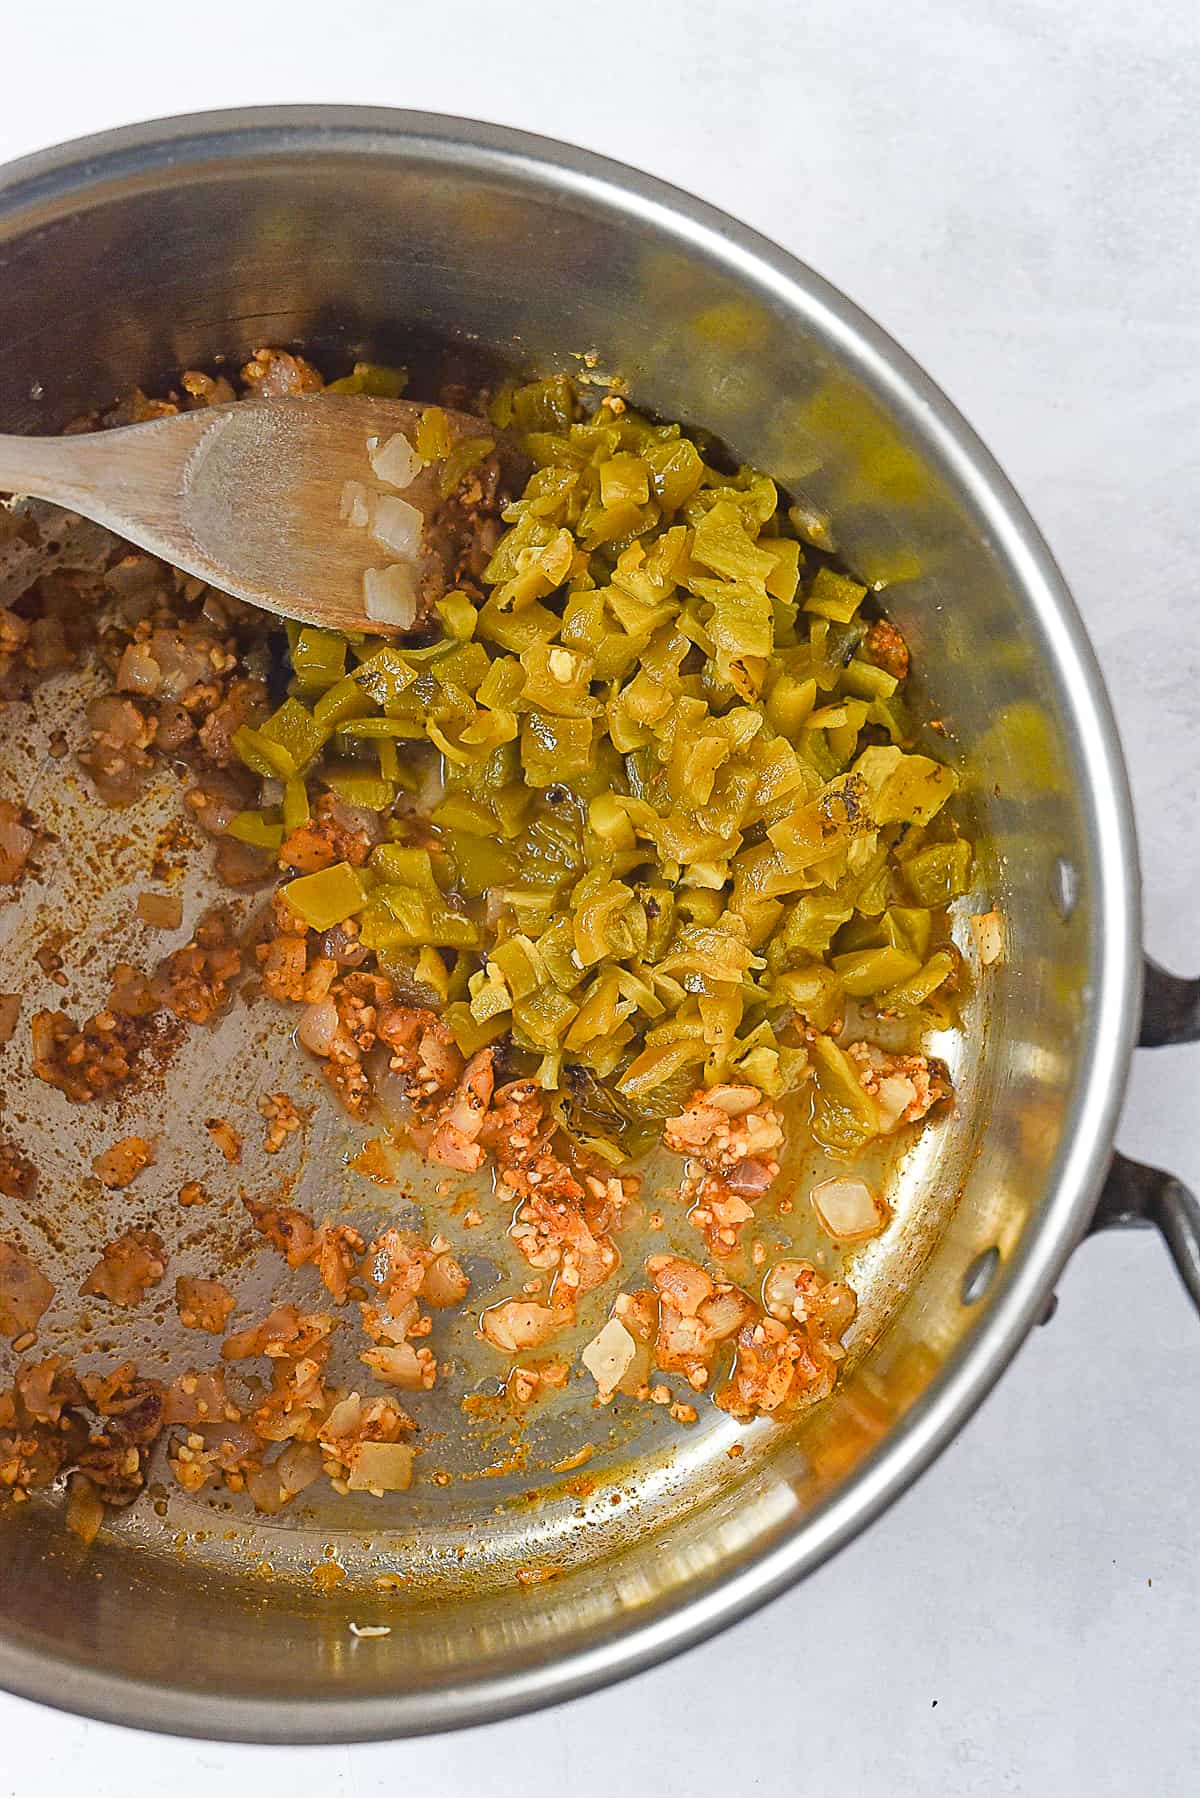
285	745
374	378
554	749
814	993
318	658
296	735
360	786
845	1116
915	988
328	897
433	435
939	874
642	807
257	829
865	972
458	615
296	810
834	596
339	703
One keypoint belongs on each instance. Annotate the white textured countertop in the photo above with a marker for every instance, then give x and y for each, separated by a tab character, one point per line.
1011	189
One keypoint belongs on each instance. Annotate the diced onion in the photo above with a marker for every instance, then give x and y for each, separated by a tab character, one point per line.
356	507
750	1178
343	1418
722	1314
397	525
734	1101
893	1096
181	661
383	1466
518	1324
396	461
347	951
445	1282
988	930
390	595
848	1209
396	1364
85	1509
266	1490
25	1291
298	1466
609	1356
138	671
318	1026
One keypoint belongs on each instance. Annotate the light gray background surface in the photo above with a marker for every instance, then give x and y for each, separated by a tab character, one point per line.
1013	190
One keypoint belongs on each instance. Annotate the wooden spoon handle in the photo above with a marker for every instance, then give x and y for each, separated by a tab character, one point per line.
50	468
130	479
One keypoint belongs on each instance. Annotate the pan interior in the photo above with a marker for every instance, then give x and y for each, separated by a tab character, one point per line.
501	1492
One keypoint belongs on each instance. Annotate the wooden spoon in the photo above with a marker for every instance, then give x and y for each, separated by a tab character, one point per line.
278	501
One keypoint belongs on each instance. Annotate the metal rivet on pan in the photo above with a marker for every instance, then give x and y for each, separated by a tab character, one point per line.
979	1276
1064	887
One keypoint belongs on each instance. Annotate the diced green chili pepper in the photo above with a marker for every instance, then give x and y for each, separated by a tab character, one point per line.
257	829
482	863
676	469
458	614
385	677
431	971
410	729
295	804
865	972
909	927
914	989
845	1116
940	873
835	596
389	760
432	440
904	789
328	897
340	703
296	735
400	864
374	378
460	813
470	1035
866	681
467	453
360	786
554	749
318	658
540	1019
260	755
815	992
427	921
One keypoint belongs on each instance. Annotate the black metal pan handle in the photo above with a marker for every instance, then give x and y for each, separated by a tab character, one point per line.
1137	1195
1170	1009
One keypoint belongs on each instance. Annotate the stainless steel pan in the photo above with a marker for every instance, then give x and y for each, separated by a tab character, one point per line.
128	256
